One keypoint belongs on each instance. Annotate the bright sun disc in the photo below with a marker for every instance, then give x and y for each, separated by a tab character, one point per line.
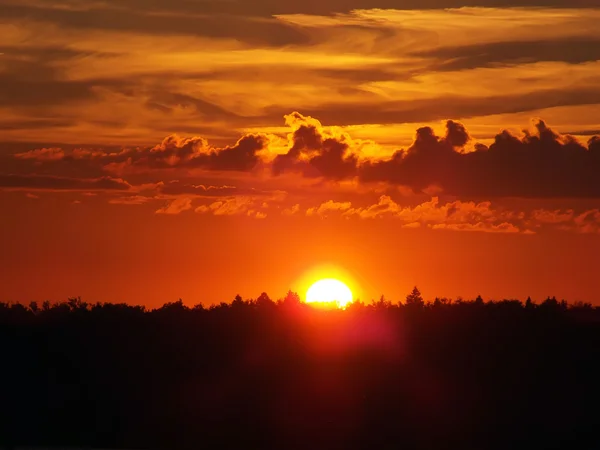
329	291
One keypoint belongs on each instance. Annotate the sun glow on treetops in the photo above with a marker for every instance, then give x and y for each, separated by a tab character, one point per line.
329	292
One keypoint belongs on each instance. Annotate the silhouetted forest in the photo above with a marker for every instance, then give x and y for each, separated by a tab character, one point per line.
281	374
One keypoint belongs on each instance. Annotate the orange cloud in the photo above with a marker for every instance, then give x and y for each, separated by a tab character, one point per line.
172	152
328	207
465	216
479	226
588	222
53	183
291	211
176	206
542	216
314	154
538	164
195	153
454	216
432	211
132	200
42	154
238	205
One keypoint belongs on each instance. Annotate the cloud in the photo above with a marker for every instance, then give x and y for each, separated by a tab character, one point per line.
201	190
165	101
573	50
385	206
234	206
542	163
177	152
176	206
412	225
267	8
228	207
543	216
132	200
19	92
314	154
242	156
538	164
585	222
479	226
52	183
42	154
291	211
328	207
466	216
34	76
588	222
249	205
456	212
452	216
133	67
266	31
441	105
174	152
257	214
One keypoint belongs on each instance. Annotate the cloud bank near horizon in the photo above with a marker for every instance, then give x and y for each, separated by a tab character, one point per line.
539	163
442	181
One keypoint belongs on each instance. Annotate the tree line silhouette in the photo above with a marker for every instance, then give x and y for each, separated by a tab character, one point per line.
281	374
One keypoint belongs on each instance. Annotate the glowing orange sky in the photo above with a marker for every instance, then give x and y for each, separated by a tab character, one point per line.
191	149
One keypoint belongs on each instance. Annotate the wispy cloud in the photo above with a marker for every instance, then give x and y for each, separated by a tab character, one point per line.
176	206
138	78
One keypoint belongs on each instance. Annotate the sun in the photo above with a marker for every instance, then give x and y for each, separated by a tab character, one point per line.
329	292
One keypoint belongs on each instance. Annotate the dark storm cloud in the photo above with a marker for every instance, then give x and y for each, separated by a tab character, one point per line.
542	164
43	182
570	50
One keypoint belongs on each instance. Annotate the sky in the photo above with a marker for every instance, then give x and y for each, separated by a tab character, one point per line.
152	150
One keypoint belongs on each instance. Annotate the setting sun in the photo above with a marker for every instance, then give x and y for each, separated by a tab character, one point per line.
329	291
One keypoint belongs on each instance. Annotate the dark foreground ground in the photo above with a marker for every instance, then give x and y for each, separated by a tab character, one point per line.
264	375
